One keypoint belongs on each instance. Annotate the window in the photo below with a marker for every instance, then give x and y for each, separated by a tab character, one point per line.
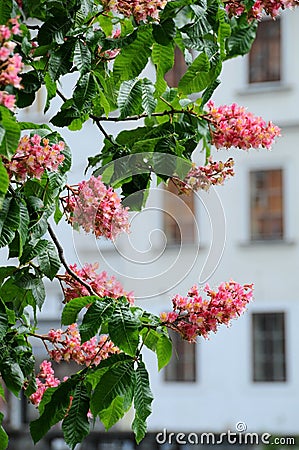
266	204
182	366
179	68
269	359
178	216
265	54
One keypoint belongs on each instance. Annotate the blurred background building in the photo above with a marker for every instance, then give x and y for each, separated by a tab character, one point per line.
246	374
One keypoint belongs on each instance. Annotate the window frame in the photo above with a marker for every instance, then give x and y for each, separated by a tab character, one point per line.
265	238
247	88
280	63
174	368
261	162
285	366
178	219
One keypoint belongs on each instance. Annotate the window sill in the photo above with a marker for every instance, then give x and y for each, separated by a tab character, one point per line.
269	382
267	242
266	87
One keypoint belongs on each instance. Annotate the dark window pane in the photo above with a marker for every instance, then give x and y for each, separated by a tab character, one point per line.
182	366
178	216
266	204
265	54
269	358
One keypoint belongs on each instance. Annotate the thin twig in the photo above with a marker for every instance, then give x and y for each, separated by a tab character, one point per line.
167	103
43	337
60	94
101	128
99	119
67	268
144	115
33	27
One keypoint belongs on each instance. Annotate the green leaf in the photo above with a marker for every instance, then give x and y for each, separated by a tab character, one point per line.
149	102
67	162
104	103
49	261
9	220
95	374
11	138
31	251
12	375
117	381
134	57
73	307
241	39
207	94
75	426
129	98
164	351
3	435
143	398
3	325
164	32
39	127
58	402
2	134
85	91
6	272
2	392
224	32
60	61
65	117
19	297
113	413
150	338
163	58
82	57
24	224
58	214
196	77
27	280
123	329
97	313
51	90
5	11
38	292
4	182
54	29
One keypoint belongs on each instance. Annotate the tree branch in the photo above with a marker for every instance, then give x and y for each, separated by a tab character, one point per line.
64	263
60	94
144	115
33	27
101	128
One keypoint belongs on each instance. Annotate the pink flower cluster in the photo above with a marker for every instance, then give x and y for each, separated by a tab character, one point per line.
96	208
141	10
44	379
270	7
67	346
194	316
10	63
110	54
202	177
233	126
101	284
33	156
